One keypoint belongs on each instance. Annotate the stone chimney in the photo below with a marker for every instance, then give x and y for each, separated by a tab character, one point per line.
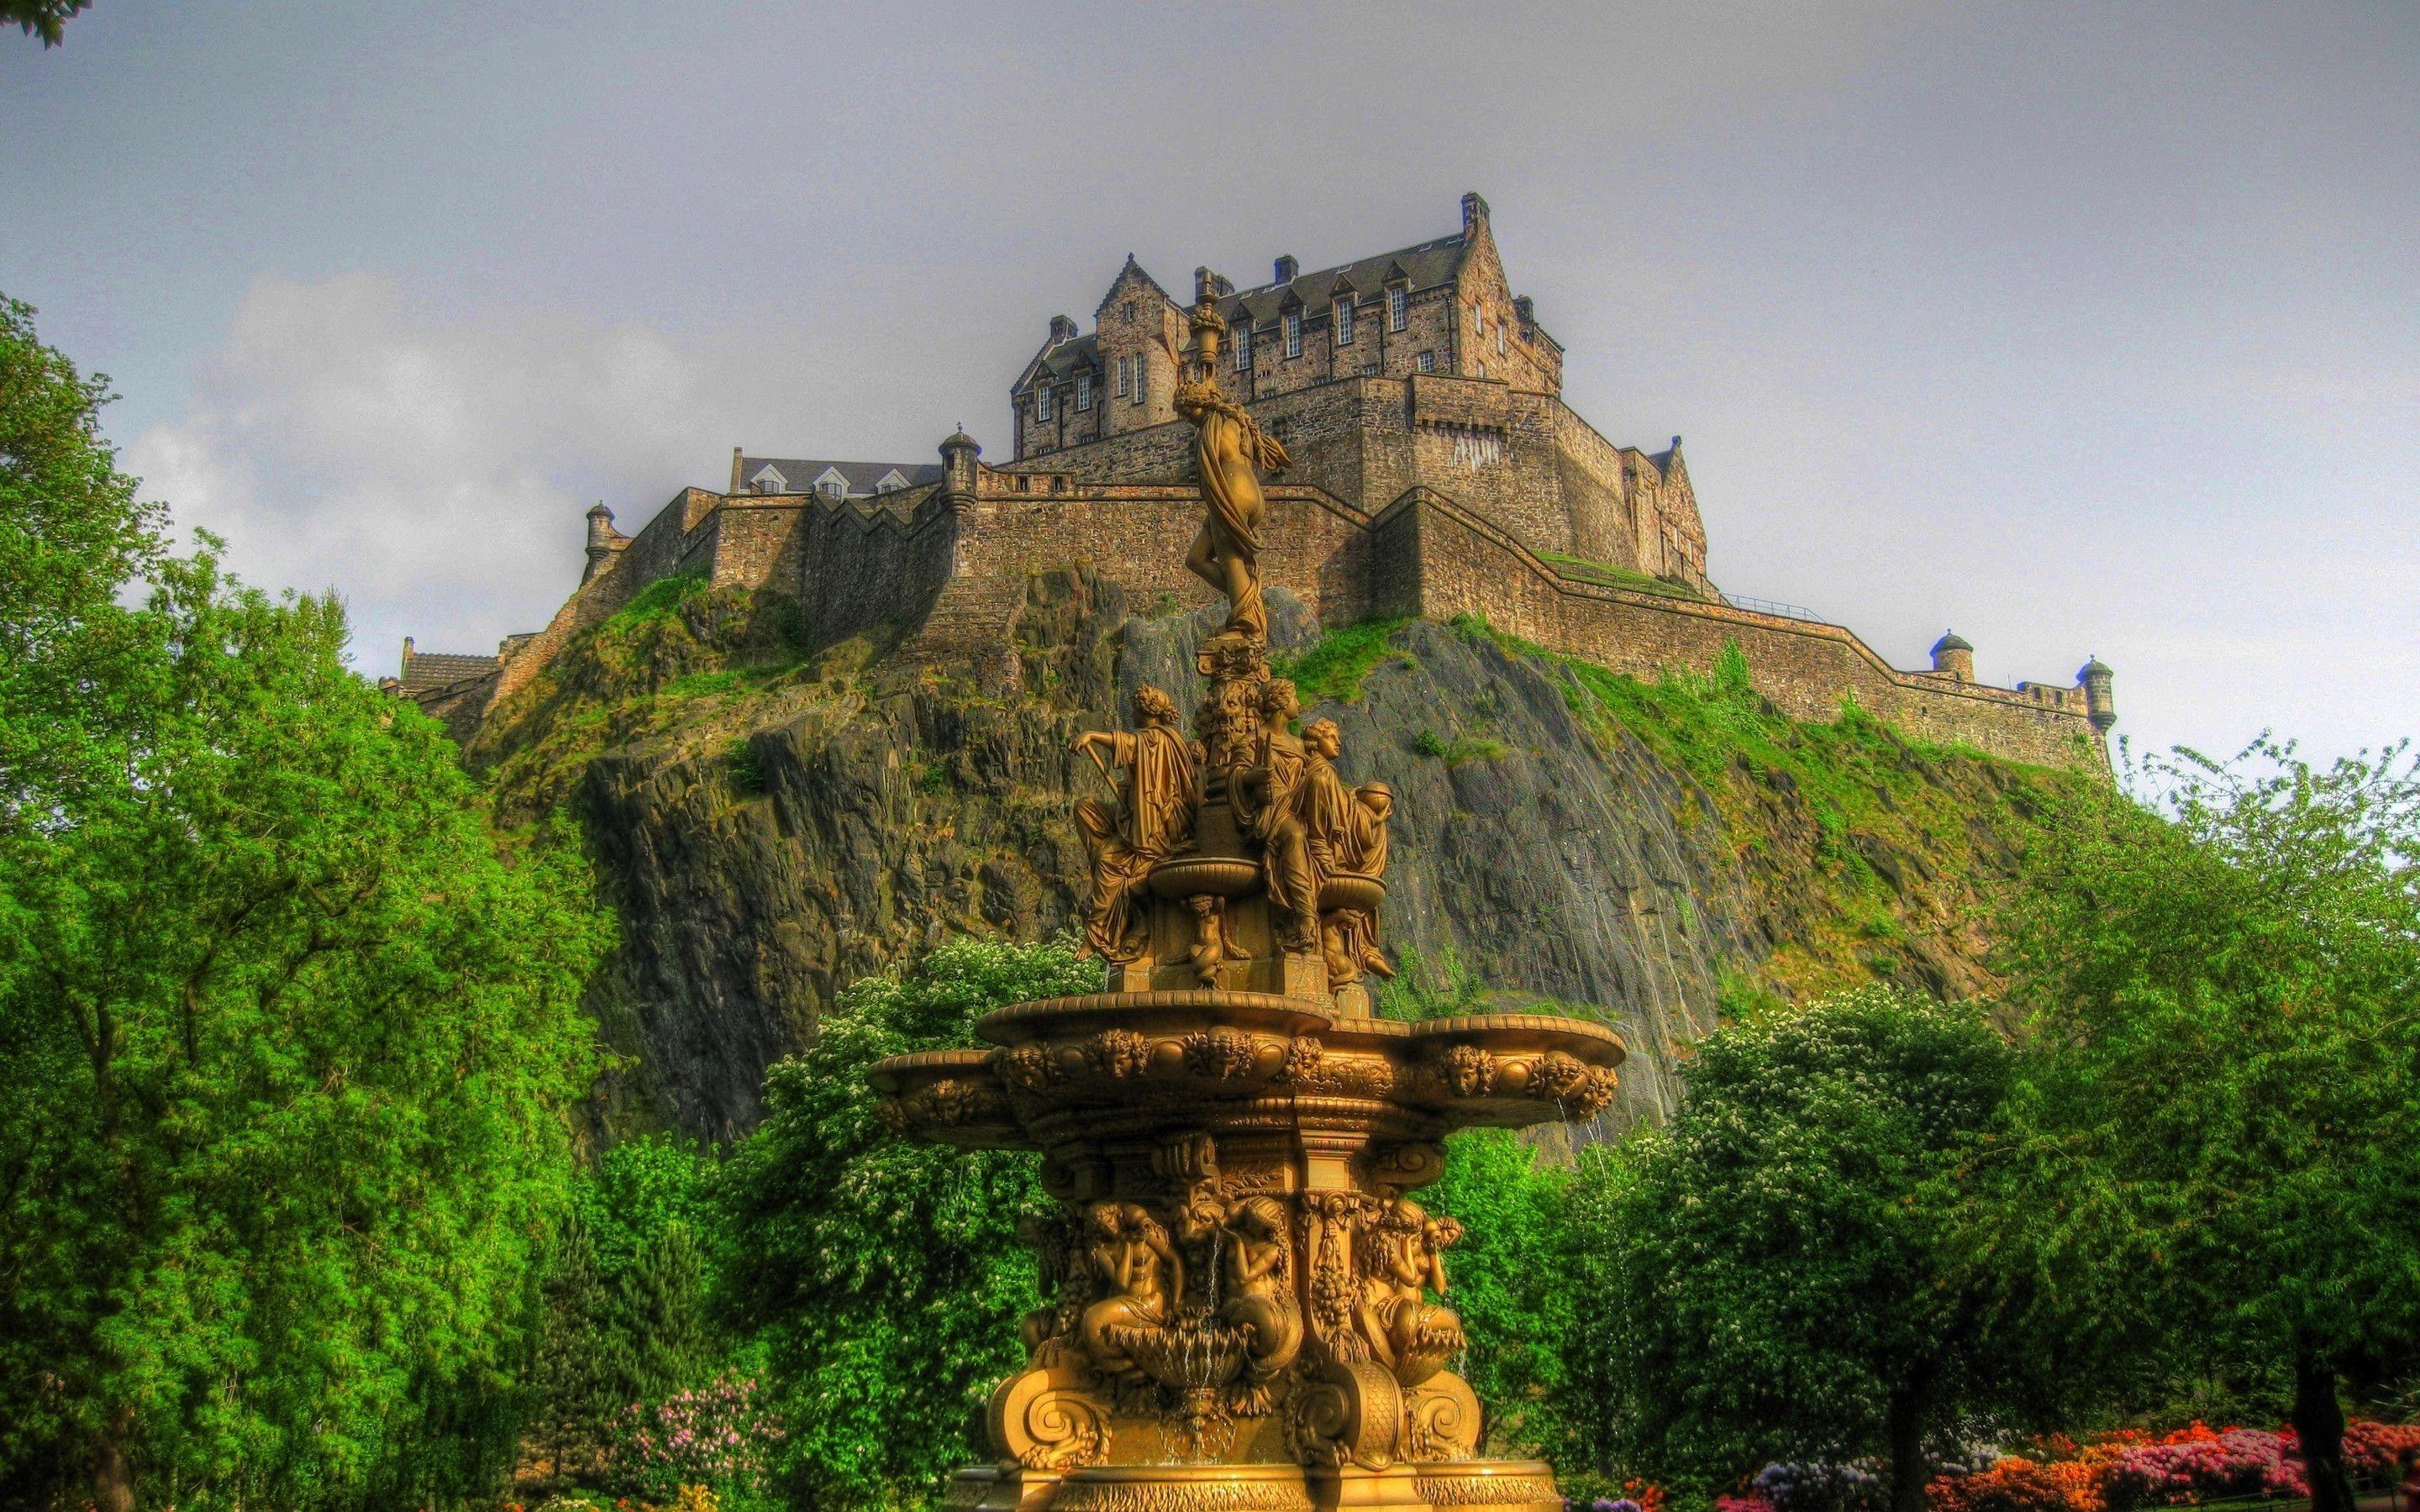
734	470
1525	311
1288	268
1474	215
1953	658
1062	330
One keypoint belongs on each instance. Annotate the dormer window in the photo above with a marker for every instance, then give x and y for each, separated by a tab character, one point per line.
890	481
832	483
1293	332
1344	321
768	479
1042	403
1398	302
1243	345
1084	391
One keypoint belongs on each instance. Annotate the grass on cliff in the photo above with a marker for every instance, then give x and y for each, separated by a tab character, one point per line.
1907	835
1607	575
682	661
1331	668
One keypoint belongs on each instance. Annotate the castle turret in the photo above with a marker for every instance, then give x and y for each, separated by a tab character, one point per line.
1953	658
958	454
2099	707
601	536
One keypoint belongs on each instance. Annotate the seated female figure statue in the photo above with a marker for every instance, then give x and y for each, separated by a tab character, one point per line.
1140	1276
1408	1334
1260	1295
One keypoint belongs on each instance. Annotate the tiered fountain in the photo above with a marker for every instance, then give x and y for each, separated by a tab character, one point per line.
1240	1314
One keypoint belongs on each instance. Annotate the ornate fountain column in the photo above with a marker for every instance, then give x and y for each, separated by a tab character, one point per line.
1244	1307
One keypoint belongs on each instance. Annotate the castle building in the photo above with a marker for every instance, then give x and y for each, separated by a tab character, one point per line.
1436	470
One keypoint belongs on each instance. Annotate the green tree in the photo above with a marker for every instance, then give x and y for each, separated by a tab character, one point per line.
288	1034
575	1383
2219	1155
46	18
1510	1286
1775	1274
886	1276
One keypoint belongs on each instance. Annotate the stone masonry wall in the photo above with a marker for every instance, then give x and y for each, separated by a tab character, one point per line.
1314	545
1444	561
950	572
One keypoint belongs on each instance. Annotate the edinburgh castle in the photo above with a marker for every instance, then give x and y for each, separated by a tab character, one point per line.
1437	472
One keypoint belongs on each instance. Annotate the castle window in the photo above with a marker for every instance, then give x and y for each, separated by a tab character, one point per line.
1243	345
1500	338
1426	362
1139	370
1482	370
1083	391
1478	321
1126	375
1399	299
1042	403
1293	332
1344	322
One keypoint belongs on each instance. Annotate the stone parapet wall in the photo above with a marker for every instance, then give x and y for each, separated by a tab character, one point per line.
948	572
1444	561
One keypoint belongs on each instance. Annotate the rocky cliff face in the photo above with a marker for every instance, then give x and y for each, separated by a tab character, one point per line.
771	825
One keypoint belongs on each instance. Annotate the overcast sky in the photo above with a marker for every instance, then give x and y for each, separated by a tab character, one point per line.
2079	327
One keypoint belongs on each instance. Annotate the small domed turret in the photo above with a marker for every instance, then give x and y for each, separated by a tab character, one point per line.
958	454
1953	656
601	536
2099	707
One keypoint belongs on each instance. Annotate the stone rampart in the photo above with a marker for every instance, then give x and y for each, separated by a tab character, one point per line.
1443	561
947	570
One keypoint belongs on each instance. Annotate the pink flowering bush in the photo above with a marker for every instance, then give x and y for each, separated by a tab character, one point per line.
2206	1466
720	1435
2133	1471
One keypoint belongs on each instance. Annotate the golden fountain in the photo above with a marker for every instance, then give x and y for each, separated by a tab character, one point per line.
1240	1314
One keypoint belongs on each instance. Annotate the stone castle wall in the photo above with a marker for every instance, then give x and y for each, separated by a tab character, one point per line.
1522	458
945	567
1443	561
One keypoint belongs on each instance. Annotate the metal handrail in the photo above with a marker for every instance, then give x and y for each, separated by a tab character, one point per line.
1769	606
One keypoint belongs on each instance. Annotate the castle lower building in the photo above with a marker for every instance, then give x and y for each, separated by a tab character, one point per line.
1436	471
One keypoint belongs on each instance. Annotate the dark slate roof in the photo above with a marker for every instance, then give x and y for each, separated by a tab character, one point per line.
428	670
799	474
1952	641
1426	265
1063	360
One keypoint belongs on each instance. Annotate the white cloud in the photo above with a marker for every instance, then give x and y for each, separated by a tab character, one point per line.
432	471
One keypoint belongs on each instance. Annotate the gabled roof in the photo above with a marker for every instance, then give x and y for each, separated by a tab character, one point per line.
425	671
1133	270
801	473
1426	265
